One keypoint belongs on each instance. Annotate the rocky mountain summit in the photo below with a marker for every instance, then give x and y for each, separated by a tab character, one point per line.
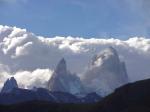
64	81
9	85
106	72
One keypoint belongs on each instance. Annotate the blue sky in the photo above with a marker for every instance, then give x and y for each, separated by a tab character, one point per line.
84	18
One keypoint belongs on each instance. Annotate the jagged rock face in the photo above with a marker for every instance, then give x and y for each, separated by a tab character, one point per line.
9	85
105	72
61	67
63	81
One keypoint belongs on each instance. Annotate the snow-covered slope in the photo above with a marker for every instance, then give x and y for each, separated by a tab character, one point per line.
9	85
64	81
106	72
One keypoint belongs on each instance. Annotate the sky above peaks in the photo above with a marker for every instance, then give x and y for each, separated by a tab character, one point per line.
84	18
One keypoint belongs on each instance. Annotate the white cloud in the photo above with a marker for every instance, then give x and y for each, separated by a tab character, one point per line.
31	54
37	78
28	79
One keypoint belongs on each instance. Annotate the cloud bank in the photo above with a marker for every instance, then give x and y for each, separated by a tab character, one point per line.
31	59
28	79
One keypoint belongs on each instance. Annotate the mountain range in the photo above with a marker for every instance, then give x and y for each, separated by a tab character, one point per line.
12	94
105	73
105	89
132	97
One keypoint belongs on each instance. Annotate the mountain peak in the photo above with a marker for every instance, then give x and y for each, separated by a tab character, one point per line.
106	72
61	67
12	79
9	85
64	81
107	57
112	49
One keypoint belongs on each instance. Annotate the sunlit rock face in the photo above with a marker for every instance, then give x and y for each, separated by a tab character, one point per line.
64	81
106	72
9	85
